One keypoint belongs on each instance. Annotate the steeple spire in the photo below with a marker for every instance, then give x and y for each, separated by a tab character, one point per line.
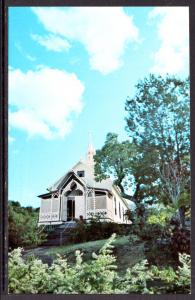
90	151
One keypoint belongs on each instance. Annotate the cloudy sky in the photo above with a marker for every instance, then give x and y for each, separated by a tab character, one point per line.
70	71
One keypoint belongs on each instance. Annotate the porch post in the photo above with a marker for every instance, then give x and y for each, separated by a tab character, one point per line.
94	202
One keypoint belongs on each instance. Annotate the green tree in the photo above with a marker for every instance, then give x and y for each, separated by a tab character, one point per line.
158	119
128	165
158	115
158	127
115	159
22	226
132	170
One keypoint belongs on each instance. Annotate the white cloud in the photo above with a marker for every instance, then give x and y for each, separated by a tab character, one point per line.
24	53
30	57
52	42
44	101
11	139
104	31
173	32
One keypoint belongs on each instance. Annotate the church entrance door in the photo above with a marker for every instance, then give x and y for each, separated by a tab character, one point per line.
70	208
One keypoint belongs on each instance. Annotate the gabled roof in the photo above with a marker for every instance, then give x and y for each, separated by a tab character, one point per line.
87	180
62	178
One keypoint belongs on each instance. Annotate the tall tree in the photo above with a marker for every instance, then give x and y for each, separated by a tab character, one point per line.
131	169
115	159
158	117
158	126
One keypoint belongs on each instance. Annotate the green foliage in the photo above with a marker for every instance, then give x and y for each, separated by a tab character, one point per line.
136	279
115	159
173	280
26	276
23	230
150	232
159	129
170	228
96	229
98	276
133	239
162	216
184	272
128	165
158	120
159	114
184	199
180	240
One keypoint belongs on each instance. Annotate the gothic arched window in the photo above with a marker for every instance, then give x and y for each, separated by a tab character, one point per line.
73	186
74	193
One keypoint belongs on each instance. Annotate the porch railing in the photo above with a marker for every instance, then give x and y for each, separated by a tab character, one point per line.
101	205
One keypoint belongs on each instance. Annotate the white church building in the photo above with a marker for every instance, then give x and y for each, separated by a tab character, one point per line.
78	195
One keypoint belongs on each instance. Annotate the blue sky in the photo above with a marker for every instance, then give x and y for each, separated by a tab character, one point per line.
70	72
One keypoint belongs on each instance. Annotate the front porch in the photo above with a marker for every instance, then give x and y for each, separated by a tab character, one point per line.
100	205
55	210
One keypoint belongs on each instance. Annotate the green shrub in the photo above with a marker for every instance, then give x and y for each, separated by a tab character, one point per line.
27	277
96	229
22	226
161	216
98	276
180	240
148	231
173	281
161	255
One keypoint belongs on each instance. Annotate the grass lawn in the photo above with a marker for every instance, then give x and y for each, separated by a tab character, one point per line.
127	254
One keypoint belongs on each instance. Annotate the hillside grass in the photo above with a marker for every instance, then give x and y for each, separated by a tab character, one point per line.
127	253
86	246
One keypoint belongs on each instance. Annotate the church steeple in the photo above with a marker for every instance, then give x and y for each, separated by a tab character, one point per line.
90	151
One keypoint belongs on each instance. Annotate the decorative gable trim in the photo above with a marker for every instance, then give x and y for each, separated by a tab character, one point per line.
71	176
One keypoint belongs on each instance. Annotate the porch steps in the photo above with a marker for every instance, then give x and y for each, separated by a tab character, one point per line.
60	234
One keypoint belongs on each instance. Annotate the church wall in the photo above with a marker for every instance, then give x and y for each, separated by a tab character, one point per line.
123	208
110	207
79	206
88	170
63	208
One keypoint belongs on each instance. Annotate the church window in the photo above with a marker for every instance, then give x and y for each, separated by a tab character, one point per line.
81	173
115	206
100	193
74	193
119	210
73	186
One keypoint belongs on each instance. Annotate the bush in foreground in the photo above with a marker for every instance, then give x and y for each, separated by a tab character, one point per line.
99	276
